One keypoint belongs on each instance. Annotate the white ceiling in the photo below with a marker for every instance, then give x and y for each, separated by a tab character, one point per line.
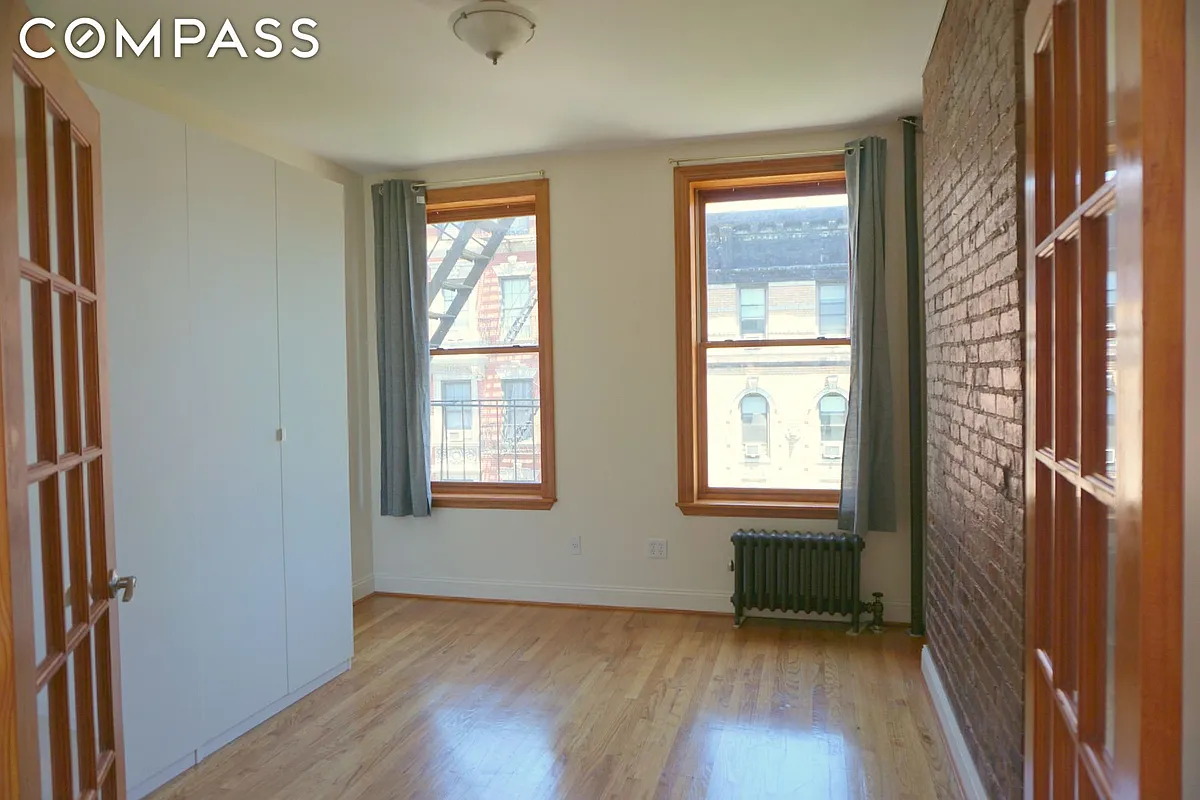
392	87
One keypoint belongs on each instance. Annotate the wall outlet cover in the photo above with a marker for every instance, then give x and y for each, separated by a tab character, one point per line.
576	545
656	548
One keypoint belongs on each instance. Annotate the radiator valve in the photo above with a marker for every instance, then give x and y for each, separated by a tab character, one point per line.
876	610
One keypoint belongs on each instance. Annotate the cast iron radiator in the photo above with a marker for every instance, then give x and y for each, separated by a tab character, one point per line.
810	572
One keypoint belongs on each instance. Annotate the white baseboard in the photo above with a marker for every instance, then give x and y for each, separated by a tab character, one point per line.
364	587
162	777
621	596
968	775
217	742
617	596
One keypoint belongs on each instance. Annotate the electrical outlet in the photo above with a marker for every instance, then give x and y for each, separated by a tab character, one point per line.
656	548
576	545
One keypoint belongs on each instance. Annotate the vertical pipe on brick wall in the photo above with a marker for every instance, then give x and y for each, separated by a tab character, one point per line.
916	376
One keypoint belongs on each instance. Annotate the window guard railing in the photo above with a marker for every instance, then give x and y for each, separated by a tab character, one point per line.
493	441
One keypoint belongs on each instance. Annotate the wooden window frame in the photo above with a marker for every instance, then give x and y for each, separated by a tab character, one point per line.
489	201
744	181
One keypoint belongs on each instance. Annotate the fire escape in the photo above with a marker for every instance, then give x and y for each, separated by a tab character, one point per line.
461	252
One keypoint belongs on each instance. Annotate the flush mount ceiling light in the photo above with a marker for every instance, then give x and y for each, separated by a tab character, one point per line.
493	27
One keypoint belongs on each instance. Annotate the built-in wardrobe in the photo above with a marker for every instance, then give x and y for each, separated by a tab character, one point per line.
227	349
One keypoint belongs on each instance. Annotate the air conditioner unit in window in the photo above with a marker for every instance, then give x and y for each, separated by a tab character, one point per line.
755	450
831	451
454	435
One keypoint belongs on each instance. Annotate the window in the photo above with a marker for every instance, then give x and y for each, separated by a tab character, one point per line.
832	409
762	236
492	429
831	309
519	407
756	412
456	405
515	305
752	310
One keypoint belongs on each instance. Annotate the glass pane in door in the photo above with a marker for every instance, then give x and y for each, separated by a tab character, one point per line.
37	575
85	477
56	328
43	726
22	167
64	537
28	370
84	232
72	723
52	193
88	386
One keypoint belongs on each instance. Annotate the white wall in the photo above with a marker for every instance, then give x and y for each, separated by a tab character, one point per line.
1191	466
363	502
611	217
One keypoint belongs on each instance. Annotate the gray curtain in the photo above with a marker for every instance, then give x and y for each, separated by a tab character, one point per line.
868	461
402	312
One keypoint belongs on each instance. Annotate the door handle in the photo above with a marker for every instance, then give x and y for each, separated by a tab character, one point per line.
121	585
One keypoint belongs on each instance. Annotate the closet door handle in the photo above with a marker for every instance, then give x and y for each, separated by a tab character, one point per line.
121	585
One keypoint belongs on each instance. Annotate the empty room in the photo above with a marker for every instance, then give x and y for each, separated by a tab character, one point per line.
566	400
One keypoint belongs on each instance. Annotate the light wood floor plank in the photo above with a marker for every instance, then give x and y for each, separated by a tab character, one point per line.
475	701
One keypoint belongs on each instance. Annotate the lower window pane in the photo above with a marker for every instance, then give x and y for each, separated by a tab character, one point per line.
485	424
777	417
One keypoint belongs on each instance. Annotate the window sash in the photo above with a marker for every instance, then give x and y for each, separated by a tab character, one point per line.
492	201
694	188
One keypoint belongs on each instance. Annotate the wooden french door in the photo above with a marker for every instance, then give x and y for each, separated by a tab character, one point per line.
1104	167
60	731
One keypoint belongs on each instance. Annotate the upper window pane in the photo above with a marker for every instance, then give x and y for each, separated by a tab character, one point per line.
777	268
483	283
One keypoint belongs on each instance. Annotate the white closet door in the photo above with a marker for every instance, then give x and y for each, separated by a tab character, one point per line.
312	371
235	406
146	236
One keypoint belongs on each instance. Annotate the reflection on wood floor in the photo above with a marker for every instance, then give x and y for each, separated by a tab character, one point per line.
475	700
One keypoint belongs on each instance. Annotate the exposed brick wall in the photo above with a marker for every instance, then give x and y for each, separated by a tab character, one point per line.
974	570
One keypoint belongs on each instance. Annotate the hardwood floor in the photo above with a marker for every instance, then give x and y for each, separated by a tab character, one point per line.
473	700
